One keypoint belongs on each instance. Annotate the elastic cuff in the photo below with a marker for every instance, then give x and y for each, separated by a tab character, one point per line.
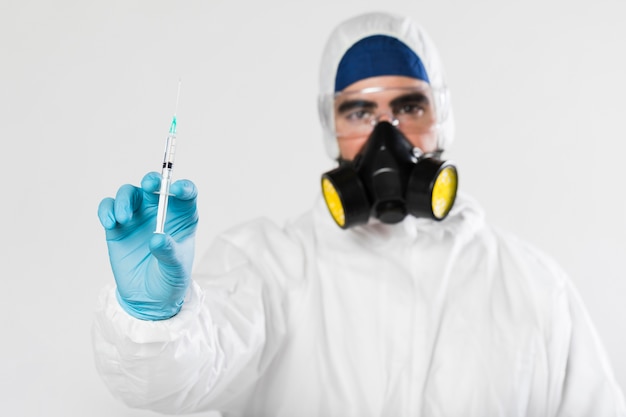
149	311
111	315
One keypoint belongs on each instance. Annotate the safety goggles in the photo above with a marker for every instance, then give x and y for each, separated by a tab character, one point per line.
410	109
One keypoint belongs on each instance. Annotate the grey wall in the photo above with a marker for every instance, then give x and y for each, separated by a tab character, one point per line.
87	90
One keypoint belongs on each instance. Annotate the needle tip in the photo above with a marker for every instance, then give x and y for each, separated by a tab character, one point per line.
173	125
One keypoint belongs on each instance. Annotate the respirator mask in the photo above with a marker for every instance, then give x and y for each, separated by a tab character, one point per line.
389	178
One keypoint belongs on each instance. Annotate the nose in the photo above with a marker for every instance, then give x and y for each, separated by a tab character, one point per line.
385	117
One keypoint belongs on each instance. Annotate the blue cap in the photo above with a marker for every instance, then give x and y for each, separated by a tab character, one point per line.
378	55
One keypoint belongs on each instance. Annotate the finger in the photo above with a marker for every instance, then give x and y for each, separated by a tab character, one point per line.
106	213
151	182
184	190
127	200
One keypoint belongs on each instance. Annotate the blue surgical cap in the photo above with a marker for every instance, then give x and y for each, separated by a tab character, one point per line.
378	55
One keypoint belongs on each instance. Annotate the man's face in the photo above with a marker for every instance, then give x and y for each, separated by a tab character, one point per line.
406	102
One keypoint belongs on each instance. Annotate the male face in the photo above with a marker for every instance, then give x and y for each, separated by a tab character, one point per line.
403	101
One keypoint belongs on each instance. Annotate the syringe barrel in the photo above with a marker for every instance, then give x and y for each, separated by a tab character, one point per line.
164	195
170	151
166	180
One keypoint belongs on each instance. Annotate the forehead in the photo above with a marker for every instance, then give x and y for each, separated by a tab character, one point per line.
385	81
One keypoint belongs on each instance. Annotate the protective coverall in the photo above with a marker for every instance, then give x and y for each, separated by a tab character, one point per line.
421	318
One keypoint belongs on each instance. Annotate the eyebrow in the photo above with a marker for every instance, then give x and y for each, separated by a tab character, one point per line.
409	98
355	104
396	102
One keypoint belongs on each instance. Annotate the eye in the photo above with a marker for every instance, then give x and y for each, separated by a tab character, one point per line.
356	111
358	115
415	109
413	105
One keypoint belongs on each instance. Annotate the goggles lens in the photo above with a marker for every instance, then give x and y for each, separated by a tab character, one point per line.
410	109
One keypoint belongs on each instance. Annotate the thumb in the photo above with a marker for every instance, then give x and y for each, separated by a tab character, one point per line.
171	260
163	248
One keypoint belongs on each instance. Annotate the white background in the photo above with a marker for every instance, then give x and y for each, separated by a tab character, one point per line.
87	91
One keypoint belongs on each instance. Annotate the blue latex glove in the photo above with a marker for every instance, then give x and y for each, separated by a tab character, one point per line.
152	271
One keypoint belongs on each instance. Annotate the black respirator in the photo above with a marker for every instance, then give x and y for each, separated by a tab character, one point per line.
387	180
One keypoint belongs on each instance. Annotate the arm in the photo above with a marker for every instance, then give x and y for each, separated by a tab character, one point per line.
209	354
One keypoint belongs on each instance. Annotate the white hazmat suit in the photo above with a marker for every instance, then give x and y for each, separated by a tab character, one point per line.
421	318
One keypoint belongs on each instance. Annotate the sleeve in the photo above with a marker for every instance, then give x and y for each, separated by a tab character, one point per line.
587	386
211	354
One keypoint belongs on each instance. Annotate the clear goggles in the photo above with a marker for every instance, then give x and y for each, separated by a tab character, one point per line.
410	109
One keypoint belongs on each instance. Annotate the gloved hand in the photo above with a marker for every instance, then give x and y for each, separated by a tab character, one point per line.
152	271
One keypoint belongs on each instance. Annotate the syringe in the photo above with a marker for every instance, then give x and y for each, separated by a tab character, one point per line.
166	171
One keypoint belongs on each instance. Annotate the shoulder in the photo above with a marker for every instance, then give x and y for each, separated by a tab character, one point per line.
502	263
484	241
515	274
526	257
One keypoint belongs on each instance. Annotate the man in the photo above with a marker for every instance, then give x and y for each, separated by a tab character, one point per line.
384	307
